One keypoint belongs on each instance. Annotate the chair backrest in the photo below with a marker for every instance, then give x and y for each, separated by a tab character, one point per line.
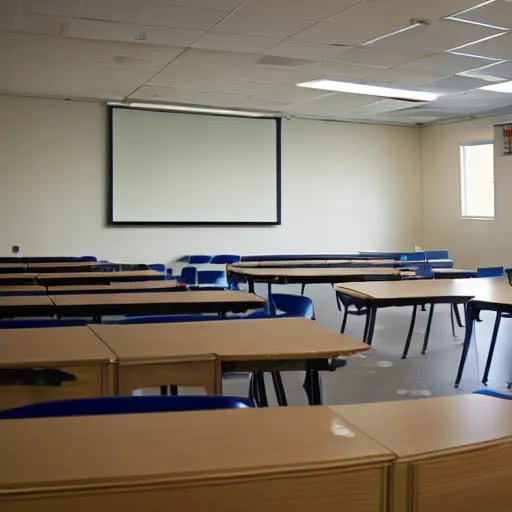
199	259
189	275
86	259
124	405
159	267
211	277
437	255
294	305
139	266
33	323
163	319
225	259
489	272
412	256
495	394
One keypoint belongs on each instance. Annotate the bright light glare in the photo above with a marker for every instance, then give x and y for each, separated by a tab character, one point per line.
501	87
369	90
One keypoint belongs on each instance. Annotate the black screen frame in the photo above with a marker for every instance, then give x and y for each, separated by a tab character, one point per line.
110	175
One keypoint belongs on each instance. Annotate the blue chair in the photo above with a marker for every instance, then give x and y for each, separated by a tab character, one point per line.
199	259
38	323
85	259
490	272
212	278
494	394
159	267
188	276
437	255
225	259
124	405
288	305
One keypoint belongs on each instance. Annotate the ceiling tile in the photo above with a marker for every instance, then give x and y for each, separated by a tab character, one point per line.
266	26
232	42
381	107
314	10
497	13
402	78
338	71
9	10
287	94
440	36
67	8
500	70
445	63
302	50
265	75
332	106
456	83
123	32
356	25
214	5
149	12
373	56
497	48
42	24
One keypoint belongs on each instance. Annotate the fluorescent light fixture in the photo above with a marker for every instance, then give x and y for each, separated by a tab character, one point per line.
399	31
370	90
471	22
464	11
476	42
195	110
501	87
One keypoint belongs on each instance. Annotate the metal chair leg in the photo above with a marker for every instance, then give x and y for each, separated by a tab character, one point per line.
262	392
452	321
470	319
457	315
491	348
164	390
279	389
313	387
173	390
302	288
409	334
427	330
366	326
344	321
373	317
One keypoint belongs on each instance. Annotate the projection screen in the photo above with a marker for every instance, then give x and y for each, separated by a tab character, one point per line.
180	168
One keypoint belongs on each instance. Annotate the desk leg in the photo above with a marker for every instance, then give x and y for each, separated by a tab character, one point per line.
261	399
279	389
313	387
410	333
491	348
472	315
250	284
427	330
452	321
344	321
457	315
271	310
366	326
373	317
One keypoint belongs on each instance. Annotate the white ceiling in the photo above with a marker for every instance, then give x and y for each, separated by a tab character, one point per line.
250	54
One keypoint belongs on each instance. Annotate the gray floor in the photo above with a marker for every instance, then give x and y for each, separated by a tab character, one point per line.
380	374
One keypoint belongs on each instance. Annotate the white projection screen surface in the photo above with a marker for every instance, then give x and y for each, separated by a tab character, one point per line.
180	168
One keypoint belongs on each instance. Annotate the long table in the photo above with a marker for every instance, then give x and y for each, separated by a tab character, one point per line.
78	278
71	266
121	287
39	365
199	353
375	295
26	306
448	454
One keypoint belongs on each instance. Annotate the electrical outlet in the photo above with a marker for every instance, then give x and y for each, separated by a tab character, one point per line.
15	249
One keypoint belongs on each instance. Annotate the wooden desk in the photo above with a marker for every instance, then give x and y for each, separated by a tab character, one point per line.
314	263
23	289
7	268
17	279
70	266
37	365
161	303
454	454
453	273
26	305
77	278
249	460
381	294
150	355
134	286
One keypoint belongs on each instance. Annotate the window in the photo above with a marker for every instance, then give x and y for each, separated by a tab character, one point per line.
477	179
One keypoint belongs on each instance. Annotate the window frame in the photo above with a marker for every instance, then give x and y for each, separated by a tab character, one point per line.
462	182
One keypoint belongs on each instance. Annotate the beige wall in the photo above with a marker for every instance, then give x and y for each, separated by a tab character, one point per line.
345	187
472	243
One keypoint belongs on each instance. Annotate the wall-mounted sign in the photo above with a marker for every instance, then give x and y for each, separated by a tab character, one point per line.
507	139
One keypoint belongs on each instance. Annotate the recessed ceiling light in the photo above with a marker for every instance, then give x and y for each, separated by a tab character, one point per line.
501	87
369	90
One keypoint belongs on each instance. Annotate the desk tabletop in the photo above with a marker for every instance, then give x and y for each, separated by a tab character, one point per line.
26	276
52	345
196	297
116	287
435	288
20	301
122	274
226	444
13	265
64	264
147	343
494	290
271	338
426	427
25	288
314	272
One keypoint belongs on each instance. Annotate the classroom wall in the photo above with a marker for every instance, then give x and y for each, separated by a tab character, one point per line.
472	243
345	187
